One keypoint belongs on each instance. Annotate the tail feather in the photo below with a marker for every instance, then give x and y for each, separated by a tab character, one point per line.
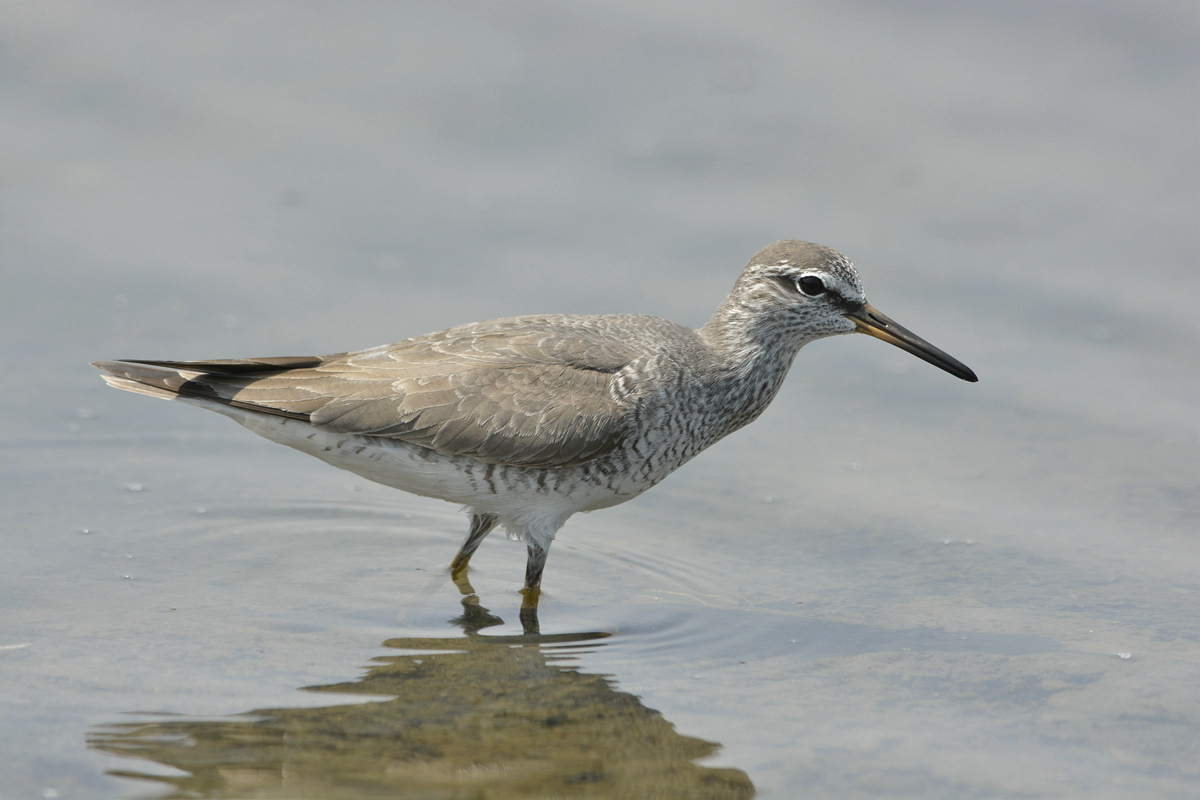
155	381
178	380
229	366
141	388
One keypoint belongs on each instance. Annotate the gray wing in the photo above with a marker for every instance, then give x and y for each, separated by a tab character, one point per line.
537	392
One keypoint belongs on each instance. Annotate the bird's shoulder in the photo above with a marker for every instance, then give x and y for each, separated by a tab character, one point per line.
604	343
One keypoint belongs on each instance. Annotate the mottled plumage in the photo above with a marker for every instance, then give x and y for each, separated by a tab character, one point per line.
531	419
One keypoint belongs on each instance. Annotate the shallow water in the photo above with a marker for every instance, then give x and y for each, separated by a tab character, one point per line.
892	584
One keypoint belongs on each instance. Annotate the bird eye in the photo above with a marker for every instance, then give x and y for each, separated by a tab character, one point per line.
811	286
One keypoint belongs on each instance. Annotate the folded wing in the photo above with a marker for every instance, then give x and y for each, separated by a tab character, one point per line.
526	391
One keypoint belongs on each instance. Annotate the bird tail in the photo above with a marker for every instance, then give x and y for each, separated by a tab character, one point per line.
148	379
199	381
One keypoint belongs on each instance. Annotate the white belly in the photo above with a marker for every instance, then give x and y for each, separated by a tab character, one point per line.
532	504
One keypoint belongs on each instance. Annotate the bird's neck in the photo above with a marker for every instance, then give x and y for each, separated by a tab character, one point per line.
748	363
742	341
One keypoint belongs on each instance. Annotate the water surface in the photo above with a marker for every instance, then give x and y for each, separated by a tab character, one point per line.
892	584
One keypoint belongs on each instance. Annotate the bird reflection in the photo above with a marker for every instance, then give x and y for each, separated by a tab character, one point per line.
469	716
475	617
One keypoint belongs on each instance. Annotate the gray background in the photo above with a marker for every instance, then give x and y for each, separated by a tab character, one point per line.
894	584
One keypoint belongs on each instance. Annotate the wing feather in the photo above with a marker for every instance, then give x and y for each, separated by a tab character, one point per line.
537	392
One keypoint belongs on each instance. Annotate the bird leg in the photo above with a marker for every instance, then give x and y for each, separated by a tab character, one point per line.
481	526
533	587
533	575
475	616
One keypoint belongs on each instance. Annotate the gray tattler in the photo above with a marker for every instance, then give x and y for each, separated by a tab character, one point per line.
528	420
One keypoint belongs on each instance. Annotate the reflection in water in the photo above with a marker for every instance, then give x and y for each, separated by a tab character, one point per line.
475	716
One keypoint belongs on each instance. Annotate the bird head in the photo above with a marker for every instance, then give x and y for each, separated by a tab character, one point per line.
806	291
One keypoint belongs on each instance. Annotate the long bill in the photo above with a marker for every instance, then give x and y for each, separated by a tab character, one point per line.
871	322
